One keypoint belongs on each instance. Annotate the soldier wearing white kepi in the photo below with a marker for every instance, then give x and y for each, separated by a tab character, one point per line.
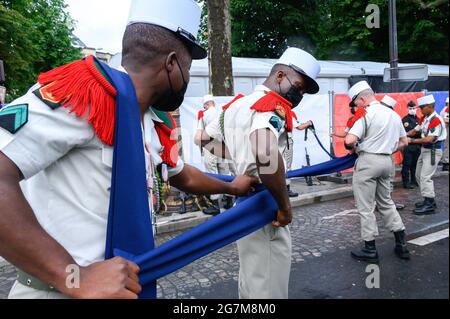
375	136
254	129
432	128
58	144
213	164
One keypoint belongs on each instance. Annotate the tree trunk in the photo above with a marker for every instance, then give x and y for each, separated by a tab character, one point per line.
219	56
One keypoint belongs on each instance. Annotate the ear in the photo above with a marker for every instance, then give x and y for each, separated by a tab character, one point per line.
279	76
171	61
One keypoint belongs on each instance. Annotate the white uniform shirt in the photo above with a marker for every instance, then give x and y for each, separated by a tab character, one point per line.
209	116
239	122
440	131
379	130
67	172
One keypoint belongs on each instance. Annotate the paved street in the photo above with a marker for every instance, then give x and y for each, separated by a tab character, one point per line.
323	235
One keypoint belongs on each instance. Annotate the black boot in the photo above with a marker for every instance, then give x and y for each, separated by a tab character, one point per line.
213	209
428	208
367	253
399	206
445	167
400	245
420	204
290	192
408	185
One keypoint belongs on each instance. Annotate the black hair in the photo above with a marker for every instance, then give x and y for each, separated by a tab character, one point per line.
411	104
143	42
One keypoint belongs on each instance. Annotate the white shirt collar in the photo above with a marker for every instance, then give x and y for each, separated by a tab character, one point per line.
261	87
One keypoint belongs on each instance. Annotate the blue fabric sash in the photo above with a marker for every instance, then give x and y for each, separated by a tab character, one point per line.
129	220
249	215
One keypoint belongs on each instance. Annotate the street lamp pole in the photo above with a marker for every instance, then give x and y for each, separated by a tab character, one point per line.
393	46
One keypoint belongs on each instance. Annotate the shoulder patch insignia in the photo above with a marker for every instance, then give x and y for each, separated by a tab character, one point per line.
276	122
14	117
46	96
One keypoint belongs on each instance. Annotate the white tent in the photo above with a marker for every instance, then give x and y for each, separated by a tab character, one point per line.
248	72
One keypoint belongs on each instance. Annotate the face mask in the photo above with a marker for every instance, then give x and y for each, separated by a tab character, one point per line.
353	110
412	112
293	95
171	100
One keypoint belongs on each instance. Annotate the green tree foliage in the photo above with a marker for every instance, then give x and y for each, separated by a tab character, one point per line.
35	36
336	29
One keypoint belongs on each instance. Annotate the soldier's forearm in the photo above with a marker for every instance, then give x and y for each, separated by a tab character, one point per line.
23	241
193	181
276	184
424	140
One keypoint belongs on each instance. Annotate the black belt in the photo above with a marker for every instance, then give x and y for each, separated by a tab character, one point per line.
434	145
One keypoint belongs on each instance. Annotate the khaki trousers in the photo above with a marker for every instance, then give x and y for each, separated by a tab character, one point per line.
425	172
265	263
371	188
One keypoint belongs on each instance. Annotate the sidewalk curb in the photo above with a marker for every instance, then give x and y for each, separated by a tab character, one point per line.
189	220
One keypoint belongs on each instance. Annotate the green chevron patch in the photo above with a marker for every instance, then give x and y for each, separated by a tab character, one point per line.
14	117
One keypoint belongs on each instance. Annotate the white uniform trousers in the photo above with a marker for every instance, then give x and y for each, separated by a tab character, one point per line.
265	263
425	172
371	188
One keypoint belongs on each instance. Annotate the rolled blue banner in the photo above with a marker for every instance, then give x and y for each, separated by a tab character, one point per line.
248	215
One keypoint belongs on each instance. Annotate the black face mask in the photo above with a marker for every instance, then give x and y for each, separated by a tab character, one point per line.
292	95
171	100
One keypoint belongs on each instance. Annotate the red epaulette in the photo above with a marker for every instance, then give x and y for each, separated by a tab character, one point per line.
237	97
360	113
80	87
200	115
168	141
272	102
435	122
421	120
446	110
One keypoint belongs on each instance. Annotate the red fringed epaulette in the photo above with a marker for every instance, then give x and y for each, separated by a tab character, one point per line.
360	113
272	102
237	97
168	142
80	87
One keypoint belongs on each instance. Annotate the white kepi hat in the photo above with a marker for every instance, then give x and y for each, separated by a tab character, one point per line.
208	98
305	64
179	16
358	88
390	102
426	100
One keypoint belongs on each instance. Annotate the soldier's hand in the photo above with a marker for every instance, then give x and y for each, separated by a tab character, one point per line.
115	278
242	185
284	218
